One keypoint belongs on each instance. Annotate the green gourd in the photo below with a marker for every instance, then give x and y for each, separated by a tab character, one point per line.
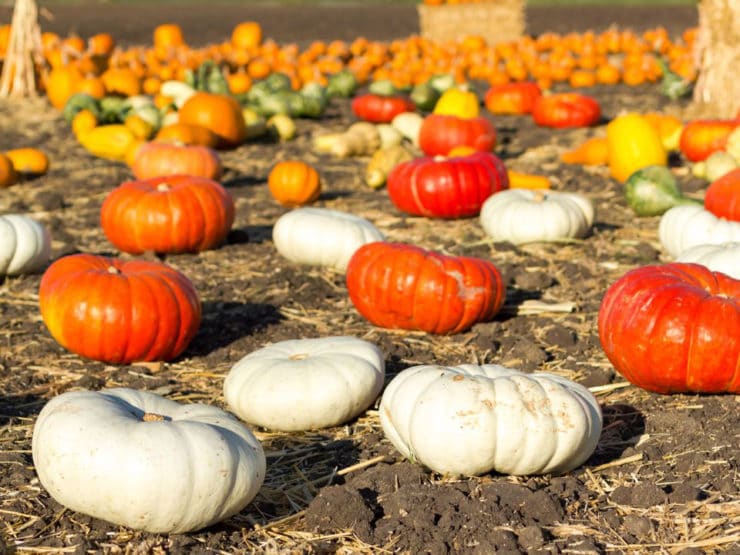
652	190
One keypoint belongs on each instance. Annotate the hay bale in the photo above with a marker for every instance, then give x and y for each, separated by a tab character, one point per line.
494	20
717	90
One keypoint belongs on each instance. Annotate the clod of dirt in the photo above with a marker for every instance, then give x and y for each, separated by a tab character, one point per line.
683	493
561	336
638	526
533	281
643	495
340	508
532	537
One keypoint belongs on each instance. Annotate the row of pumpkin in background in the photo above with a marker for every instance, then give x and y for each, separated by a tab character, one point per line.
98	67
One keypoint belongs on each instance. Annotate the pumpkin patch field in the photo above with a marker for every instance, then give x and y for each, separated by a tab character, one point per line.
378	312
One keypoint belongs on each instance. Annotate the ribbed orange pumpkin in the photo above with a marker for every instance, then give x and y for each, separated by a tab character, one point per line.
155	159
294	183
246	35
219	113
169	214
119	311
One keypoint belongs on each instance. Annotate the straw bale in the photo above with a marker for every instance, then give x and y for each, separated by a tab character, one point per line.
717	90
496	21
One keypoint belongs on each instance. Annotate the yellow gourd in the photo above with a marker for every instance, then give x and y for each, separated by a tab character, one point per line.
83	122
592	152
458	102
519	180
111	142
633	144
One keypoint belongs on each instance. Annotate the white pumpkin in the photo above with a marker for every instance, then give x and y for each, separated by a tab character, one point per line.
686	226
137	459
304	384
471	419
322	237
724	257
525	216
25	245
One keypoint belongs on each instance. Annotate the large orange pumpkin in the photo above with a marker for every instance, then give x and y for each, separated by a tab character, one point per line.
187	134
8	175
62	83
119	311
168	214
219	113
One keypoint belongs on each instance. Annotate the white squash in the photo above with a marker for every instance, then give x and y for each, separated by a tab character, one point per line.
409	125
322	237
25	245
686	226
471	420
526	216
137	459
724	257
304	384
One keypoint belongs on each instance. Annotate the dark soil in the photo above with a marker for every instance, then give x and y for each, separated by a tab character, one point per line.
664	478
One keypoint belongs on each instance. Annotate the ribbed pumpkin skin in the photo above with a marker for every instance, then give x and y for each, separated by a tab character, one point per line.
376	108
119	311
700	138
512	98
191	214
674	328
562	110
395	285
439	134
155	159
219	113
723	196
447	188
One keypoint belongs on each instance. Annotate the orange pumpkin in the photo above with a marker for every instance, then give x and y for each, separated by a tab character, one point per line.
219	113
188	134
246	35
168	35
123	81
62	83
29	161
156	159
294	183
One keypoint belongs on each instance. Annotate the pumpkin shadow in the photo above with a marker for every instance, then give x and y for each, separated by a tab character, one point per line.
244	181
623	427
223	323
333	195
14	406
250	234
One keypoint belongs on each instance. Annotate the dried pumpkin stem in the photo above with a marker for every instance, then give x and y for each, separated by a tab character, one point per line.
163	187
152	417
298	356
113	270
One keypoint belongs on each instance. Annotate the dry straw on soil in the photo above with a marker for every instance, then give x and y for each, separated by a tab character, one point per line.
496	21
717	91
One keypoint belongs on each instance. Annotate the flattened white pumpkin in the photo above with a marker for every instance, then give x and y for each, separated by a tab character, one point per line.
322	237
137	459
471	420
304	384
723	257
526	216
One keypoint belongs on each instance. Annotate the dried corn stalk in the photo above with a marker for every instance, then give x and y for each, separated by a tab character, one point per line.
24	53
717	91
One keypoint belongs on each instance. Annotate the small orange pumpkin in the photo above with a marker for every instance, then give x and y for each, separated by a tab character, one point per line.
294	183
28	161
220	113
188	134
156	159
246	35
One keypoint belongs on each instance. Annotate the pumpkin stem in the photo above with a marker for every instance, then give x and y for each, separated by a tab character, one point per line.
152	417
539	196
113	270
298	356
163	187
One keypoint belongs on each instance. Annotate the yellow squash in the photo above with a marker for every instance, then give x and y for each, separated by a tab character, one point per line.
633	144
111	142
458	102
